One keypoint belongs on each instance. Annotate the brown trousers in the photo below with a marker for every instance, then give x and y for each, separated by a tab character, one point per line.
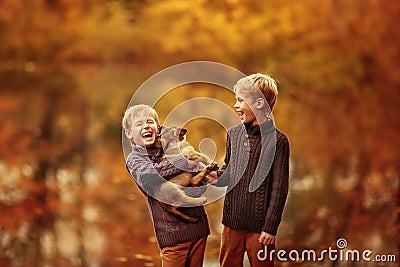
235	242
188	254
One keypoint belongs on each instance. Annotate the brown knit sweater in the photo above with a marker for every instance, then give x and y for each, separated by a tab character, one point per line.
142	166
256	172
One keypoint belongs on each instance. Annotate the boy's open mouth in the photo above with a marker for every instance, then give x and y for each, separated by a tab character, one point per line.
240	113
147	135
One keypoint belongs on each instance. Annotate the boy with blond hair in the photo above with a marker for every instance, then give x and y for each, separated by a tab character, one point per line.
182	243
256	172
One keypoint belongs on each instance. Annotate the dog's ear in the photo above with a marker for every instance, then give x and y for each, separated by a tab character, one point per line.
182	132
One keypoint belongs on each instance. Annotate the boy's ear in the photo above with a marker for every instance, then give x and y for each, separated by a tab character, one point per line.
260	102
128	133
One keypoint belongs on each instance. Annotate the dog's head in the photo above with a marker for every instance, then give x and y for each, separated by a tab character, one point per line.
170	133
169	137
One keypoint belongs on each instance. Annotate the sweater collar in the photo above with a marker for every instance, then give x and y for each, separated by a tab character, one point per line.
139	149
150	151
264	128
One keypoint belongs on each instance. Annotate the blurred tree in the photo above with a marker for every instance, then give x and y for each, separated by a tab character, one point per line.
347	87
46	135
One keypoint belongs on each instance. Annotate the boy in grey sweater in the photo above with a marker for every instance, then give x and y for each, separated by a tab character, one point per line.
182	243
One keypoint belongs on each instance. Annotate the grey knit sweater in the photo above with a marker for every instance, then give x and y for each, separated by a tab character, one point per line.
247	157
142	166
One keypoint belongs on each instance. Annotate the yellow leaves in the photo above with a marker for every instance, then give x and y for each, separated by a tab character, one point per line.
188	28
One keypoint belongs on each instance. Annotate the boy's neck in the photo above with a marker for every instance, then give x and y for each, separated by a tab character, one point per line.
260	120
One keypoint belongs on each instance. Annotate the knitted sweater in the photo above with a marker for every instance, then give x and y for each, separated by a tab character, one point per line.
256	172
169	230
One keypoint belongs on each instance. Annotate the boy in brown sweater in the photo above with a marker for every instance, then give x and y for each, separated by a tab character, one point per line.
256	172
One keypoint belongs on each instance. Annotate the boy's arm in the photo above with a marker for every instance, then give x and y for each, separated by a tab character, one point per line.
280	186
145	172
223	174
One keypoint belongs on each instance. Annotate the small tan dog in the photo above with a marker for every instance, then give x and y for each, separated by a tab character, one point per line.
172	141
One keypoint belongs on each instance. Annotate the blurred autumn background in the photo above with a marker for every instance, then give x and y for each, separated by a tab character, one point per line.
69	68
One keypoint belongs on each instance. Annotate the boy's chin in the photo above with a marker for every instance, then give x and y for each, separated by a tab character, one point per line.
148	142
249	122
245	121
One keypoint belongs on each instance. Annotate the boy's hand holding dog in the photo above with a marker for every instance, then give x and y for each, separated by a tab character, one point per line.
193	165
212	177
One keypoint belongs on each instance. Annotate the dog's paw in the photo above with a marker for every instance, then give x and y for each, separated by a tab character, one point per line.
215	167
204	181
212	167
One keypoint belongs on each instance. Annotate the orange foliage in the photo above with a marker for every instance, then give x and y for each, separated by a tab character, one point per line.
68	69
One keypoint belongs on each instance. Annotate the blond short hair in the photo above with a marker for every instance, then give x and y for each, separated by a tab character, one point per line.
135	111
258	82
